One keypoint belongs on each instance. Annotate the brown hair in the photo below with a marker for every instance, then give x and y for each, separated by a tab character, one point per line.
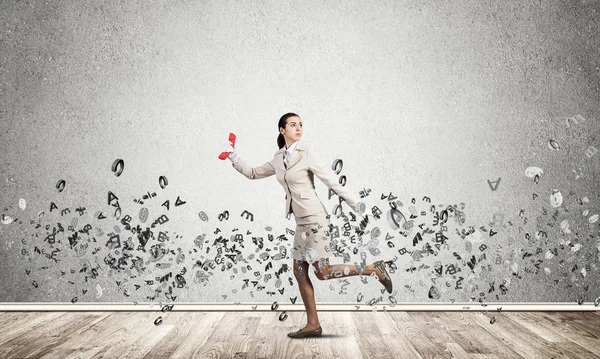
282	123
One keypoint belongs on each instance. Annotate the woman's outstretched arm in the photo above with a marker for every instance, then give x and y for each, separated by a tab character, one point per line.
259	172
327	176
242	167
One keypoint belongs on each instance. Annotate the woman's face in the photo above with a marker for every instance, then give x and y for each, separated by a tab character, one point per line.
293	129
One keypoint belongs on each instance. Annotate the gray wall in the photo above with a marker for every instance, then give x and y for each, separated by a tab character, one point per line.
418	98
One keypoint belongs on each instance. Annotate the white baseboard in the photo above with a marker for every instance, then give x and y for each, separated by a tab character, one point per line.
249	306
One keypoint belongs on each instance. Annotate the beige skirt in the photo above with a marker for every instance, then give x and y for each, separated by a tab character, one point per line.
312	239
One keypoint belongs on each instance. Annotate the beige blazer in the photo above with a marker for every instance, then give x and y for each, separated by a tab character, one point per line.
298	180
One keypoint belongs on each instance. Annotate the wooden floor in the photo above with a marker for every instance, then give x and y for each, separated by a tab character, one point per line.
261	335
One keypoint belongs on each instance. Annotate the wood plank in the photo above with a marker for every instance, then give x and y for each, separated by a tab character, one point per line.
561	316
151	337
473	330
223	331
429	324
167	345
241	339
71	352
399	344
322	346
469	342
27	324
118	327
529	322
343	343
418	338
47	325
8	318
128	334
47	338
283	346
7	350
90	335
218	341
270	344
585	326
458	352
367	335
517	343
424	318
455	320
524	342
577	350
193	345
567	331
74	345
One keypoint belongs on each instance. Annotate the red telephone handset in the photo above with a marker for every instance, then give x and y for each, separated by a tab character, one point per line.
224	155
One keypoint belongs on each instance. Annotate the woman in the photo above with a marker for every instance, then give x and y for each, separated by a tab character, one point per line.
295	165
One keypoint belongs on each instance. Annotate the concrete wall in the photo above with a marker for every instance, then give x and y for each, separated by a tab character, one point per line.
418	98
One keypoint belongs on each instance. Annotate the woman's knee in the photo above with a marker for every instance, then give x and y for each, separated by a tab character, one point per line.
300	270
300	273
320	275
321	272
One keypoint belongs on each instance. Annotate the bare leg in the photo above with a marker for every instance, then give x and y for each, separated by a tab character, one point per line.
327	271
308	295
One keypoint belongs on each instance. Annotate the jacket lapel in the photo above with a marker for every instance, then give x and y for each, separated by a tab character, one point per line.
296	157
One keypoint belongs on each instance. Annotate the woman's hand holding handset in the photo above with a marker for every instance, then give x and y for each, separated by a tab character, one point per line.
229	150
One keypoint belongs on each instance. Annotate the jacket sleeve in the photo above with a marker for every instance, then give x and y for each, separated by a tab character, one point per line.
328	177
259	172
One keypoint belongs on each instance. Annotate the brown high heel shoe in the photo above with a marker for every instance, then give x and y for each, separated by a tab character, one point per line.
386	281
